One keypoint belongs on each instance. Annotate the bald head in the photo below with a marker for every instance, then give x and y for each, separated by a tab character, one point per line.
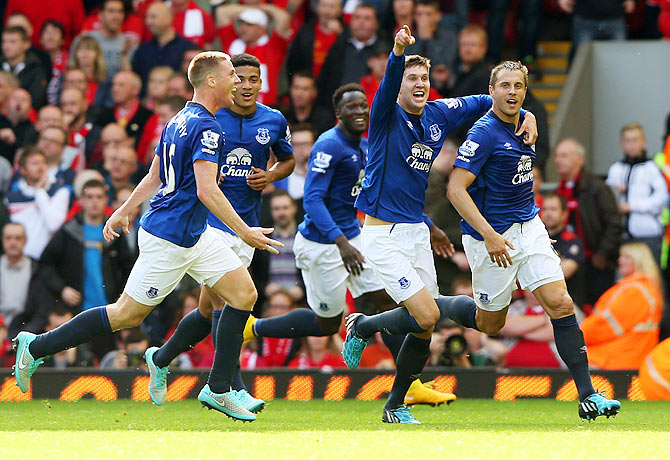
49	115
569	159
74	103
126	86
159	18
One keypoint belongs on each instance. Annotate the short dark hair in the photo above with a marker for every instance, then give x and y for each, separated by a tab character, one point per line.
365	4
127	8
17	30
135	335
305	126
57	24
434	3
28	152
303	73
94	183
339	92
176	103
245	59
561	199
279	192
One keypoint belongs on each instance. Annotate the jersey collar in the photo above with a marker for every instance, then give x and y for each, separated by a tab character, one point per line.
504	123
197	104
238	115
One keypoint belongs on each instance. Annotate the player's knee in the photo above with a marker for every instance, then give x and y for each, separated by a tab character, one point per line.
562	306
428	318
246	297
491	327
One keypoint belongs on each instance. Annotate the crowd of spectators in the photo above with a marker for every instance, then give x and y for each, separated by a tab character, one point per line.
87	85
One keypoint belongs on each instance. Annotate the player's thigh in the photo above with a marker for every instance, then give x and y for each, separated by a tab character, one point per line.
324	275
423	262
492	286
213	259
160	266
367	281
542	267
237	289
126	312
239	247
387	255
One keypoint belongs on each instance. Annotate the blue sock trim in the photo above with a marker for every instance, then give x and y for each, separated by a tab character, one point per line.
567	321
215	314
105	319
238	311
202	317
418	329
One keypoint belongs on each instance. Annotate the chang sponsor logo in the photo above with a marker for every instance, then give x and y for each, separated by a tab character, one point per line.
421	157
238	163
524	170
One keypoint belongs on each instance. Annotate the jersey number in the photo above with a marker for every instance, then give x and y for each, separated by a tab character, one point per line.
169	170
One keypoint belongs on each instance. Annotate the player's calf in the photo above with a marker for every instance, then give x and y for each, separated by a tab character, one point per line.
490	322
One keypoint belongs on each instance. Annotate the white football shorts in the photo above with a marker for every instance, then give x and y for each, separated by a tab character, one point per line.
402	257
326	278
239	247
534	263
162	264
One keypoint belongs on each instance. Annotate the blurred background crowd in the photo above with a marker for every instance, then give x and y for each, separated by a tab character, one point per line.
87	85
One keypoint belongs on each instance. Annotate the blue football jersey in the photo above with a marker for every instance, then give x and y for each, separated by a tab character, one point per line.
334	173
175	213
503	164
248	142
401	154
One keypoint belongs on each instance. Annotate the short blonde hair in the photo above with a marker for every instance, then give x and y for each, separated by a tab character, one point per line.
631	127
204	64
644	261
508	65
474	29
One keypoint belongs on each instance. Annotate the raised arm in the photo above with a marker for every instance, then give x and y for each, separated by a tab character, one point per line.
387	94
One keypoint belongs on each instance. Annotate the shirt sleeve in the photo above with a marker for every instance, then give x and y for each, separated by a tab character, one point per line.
282	147
427	221
387	93
475	151
207	142
459	110
320	170
573	250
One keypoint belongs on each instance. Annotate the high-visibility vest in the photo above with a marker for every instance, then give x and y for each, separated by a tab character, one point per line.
624	326
655	373
662	159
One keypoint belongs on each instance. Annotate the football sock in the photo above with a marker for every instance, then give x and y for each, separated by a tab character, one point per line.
572	349
229	336
393	343
191	330
238	383
395	322
300	322
80	329
460	309
411	360
216	314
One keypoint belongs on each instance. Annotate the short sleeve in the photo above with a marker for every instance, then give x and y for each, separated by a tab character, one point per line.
282	147
573	250
474	152
208	142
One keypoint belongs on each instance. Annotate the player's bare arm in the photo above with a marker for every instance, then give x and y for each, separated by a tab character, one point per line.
528	129
211	196
144	190
457	192
440	242
261	178
352	258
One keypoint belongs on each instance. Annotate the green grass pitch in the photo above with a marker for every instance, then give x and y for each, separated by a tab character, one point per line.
525	430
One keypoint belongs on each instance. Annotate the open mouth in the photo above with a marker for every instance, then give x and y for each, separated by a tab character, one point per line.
246	96
512	102
360	120
419	94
